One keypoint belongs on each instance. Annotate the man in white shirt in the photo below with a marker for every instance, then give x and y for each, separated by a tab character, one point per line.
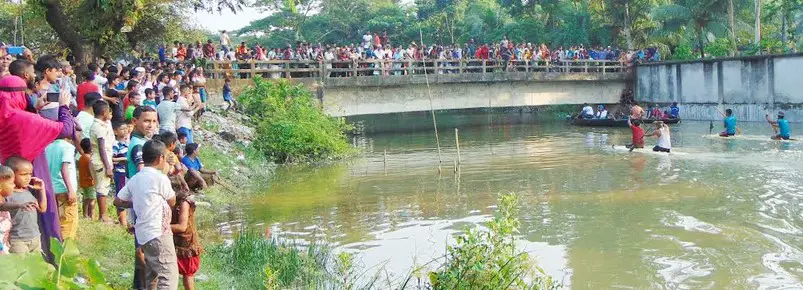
225	42
602	113
167	111
184	116
366	40
150	195
587	112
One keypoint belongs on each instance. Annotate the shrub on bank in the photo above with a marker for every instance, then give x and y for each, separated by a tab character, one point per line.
290	125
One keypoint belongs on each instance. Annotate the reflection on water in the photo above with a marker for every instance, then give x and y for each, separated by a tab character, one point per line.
719	214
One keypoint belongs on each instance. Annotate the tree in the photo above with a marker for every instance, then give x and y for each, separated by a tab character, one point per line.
704	16
90	28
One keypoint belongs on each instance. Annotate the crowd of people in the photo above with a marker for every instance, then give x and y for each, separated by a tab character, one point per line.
379	47
122	134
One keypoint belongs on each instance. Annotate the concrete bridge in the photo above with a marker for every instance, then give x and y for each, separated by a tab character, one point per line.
751	86
382	87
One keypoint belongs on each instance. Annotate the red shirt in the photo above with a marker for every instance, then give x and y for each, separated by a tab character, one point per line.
82	90
638	136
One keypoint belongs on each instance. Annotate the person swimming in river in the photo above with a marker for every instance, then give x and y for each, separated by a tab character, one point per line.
781	125
729	123
638	134
664	139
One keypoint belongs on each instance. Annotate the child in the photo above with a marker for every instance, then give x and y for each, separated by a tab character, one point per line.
185	236
7	185
103	139
227	95
61	162
119	152
150	98
198	177
150	193
182	140
24	204
86	182
133	101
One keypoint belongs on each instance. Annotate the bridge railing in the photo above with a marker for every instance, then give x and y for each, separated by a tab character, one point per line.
365	68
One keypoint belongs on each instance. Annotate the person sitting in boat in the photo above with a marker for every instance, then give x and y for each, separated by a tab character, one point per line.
656	113
602	113
636	112
781	125
664	141
674	111
729	123
587	112
638	134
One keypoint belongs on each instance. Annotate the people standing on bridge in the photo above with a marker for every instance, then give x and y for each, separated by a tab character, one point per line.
782	125
729	123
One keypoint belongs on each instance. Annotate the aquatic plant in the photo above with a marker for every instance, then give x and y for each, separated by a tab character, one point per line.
290	125
71	271
488	258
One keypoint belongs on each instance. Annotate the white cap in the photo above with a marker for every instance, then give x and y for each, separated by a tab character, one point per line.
140	69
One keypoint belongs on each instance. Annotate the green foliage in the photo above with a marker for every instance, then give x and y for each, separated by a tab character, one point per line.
720	47
488	259
281	266
683	52
31	271
290	125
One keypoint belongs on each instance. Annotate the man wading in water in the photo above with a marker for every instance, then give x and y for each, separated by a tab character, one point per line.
782	125
664	141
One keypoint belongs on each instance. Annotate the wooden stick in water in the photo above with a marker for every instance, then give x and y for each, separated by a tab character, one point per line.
431	107
385	161
457	141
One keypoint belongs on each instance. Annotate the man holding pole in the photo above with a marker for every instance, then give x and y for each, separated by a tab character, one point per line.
781	125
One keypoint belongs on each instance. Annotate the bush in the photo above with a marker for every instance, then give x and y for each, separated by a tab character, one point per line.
488	259
290	125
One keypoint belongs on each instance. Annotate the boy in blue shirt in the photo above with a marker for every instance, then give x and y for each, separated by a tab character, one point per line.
781	125
730	124
197	177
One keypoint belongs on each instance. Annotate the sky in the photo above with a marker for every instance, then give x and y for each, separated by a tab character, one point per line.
227	20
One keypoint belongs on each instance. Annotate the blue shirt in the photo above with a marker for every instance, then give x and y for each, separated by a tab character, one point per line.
192	163
783	126
730	125
58	153
119	150
674	112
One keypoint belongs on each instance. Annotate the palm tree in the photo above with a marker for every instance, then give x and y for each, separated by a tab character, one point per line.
704	16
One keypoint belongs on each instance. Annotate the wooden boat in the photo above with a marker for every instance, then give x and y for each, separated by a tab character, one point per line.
616	123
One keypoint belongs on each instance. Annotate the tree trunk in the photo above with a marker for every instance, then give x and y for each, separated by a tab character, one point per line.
783	32
758	23
700	42
628	38
58	20
732	24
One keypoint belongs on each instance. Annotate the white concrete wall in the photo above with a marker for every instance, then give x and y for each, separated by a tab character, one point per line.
751	86
351	101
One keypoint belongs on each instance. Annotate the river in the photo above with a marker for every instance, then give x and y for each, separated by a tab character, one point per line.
719	214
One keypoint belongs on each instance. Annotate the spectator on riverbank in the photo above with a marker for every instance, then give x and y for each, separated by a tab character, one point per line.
26	134
151	196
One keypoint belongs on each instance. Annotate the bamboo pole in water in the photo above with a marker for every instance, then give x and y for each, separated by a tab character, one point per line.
385	161
457	141
431	108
